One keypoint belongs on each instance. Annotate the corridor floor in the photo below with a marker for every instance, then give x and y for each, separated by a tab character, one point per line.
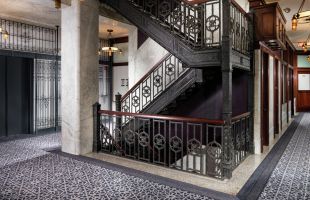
30	170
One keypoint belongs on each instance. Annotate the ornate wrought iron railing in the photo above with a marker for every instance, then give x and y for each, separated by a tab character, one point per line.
199	25
187	144
154	83
239	28
19	36
241	135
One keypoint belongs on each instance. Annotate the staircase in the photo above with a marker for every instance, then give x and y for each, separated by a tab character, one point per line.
191	32
165	82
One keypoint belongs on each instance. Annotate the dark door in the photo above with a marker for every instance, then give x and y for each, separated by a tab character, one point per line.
2	97
265	101
276	98
292	92
17	96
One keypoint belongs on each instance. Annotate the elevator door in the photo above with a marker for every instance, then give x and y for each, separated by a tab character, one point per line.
17	95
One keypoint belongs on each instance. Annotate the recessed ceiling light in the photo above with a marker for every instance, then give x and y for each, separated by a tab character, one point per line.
287	10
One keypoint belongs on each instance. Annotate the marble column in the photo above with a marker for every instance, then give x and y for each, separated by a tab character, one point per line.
79	61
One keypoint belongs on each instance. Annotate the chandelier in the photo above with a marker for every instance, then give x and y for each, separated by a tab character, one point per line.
110	49
300	17
305	45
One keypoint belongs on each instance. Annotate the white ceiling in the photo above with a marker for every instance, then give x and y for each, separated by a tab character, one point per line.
303	30
43	12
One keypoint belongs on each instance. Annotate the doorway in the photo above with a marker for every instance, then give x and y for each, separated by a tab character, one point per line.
265	101
16	96
276	98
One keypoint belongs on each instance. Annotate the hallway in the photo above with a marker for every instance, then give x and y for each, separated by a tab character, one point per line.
31	168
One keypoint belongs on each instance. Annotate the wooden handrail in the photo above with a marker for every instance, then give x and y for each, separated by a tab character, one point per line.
193	2
163	117
145	76
236	118
233	2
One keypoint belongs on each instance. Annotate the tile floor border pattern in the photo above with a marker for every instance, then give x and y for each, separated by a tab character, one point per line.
291	177
258	180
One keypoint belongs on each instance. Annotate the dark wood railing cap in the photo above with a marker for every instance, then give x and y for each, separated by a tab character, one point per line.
238	117
164	117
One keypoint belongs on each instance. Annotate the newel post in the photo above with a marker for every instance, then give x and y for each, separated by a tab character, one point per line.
118	107
227	146
118	103
96	135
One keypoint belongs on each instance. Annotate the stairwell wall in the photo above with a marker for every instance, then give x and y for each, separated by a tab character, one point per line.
141	60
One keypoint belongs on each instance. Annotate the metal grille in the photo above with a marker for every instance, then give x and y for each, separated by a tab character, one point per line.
154	84
194	147
46	94
239	26
198	25
241	138
28	38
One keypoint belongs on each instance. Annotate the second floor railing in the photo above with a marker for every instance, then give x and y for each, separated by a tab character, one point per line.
199	25
24	37
241	135
153	84
188	144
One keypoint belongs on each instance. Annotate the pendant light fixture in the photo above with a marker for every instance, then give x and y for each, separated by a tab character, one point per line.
110	49
4	33
300	17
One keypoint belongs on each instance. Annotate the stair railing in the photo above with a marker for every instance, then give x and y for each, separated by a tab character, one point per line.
152	84
199	25
188	144
242	137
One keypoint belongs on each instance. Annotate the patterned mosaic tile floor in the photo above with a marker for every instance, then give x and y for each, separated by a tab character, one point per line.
291	177
29	172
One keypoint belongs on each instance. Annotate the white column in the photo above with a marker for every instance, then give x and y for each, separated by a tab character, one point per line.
79	61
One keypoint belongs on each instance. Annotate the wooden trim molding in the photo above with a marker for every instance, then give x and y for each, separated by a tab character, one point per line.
120	64
119	40
163	117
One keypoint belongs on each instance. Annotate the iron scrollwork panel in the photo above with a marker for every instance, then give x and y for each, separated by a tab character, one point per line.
46	94
28	38
198	25
167	72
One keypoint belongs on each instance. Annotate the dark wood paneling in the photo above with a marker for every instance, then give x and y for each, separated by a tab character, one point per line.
119	40
120	64
303	97
303	101
270	25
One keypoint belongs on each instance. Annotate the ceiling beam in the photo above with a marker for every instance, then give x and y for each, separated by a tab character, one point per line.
107	11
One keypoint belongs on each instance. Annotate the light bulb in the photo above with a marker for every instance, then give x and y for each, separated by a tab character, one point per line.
5	35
